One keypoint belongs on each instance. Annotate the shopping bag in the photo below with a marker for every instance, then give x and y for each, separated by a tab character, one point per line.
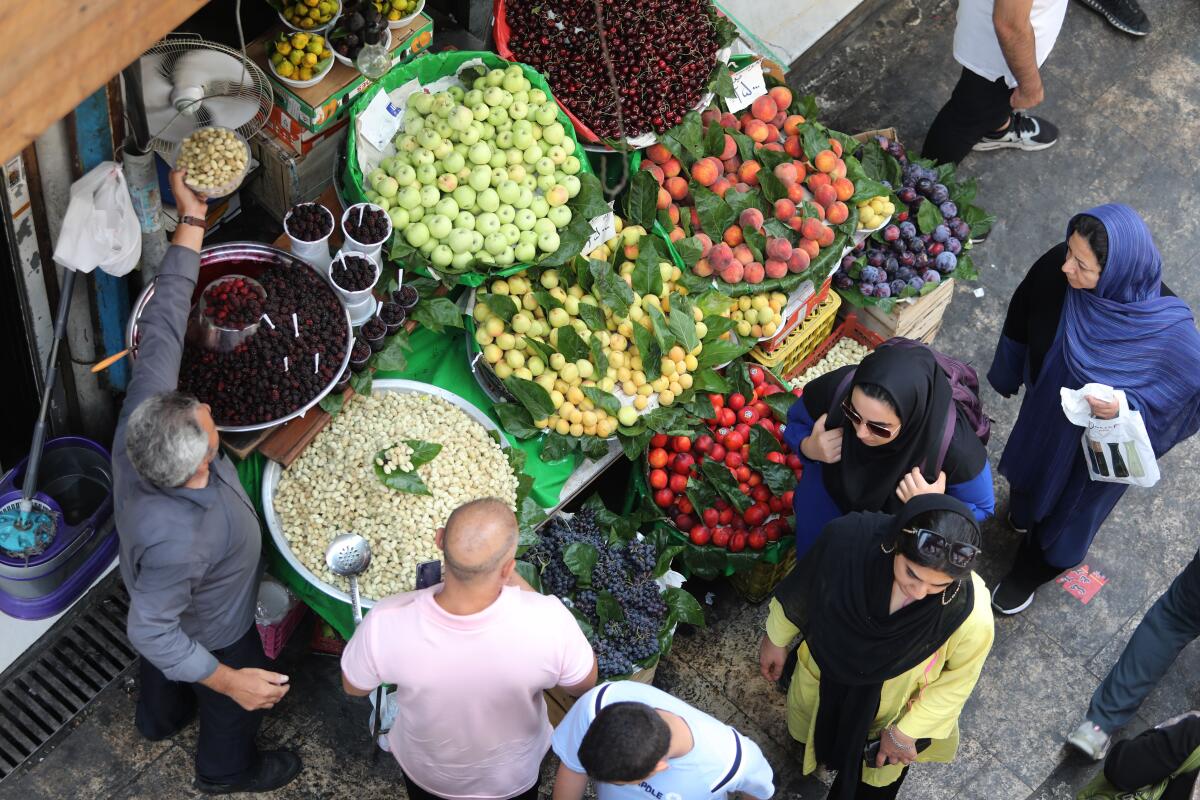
1116	450
100	228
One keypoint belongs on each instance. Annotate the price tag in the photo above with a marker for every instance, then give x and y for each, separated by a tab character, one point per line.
748	85
604	227
380	121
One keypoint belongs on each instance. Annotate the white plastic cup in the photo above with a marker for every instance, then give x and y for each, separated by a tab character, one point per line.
359	298
371	251
315	253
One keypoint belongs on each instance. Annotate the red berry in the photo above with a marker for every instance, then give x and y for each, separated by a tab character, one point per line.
681	444
700	535
757	539
663	498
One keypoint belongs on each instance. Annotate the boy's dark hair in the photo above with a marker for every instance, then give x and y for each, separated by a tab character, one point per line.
624	743
1094	232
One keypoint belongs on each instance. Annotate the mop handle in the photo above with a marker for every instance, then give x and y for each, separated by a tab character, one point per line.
39	429
99	366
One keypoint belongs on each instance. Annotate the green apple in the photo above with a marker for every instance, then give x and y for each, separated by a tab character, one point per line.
506	257
510	233
572	184
494	243
509	191
517	172
399	217
443	104
480	153
571	304
506	214
409	197
522	139
473	98
539	206
497	115
515	83
444	148
471	135
459	240
387	187
441	256
487	224
421	156
553	132
465	196
560	216
462	260
493	95
545	182
405	175
417	212
544	166
529	237
504	140
557	196
383	202
466	220
547	114
430	196
427	174
488	200
571	165
535	365
524	219
499	175
460	118
487	132
481	178
446	207
476	240
518	109
537	97
512	157
375	175
525	252
524	198
499	159
557	154
439	226
428	138
416	234
456	92
548	242
406	143
453	161
544	226
421	102
447	182
532	153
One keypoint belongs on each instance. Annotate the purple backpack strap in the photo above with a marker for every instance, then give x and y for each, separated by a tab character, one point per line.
842	386
947	437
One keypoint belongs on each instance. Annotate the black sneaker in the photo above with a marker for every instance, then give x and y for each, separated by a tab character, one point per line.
1010	597
276	768
1024	132
1124	15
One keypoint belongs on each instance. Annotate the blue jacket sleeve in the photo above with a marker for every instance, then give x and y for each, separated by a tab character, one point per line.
799	426
1008	367
977	493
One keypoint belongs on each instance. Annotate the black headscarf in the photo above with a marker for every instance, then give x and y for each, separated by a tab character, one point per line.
865	479
839	597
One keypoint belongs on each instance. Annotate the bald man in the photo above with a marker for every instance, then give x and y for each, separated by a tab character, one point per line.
470	658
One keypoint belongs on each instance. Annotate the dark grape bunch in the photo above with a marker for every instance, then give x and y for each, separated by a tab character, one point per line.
309	222
626	571
249	384
662	54
353	273
370	229
233	303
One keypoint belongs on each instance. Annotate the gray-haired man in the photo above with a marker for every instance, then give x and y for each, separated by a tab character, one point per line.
190	549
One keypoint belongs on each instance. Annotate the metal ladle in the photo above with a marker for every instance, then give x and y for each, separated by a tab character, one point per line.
348	556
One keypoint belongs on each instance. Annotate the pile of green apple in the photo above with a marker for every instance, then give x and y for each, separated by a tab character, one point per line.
480	176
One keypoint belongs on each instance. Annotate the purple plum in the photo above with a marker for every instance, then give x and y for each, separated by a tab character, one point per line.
891	233
875	257
867	289
941	233
922	262
907	230
843	281
954	246
907	259
915	283
946	262
891	265
898	286
848	262
948	209
940	193
907	195
883	290
924	186
962	231
931	276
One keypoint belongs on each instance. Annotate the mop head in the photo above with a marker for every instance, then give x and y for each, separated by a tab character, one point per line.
24	534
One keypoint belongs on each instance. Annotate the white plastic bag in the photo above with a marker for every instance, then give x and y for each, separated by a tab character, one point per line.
100	228
1116	450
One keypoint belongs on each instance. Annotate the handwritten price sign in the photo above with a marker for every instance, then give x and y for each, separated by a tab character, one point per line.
604	227
1081	583
748	85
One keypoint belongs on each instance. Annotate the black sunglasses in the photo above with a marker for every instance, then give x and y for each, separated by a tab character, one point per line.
880	430
933	545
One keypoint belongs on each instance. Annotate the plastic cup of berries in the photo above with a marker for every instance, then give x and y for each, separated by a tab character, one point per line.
354	275
360	354
406	297
393	316
343	381
309	226
366	227
375	333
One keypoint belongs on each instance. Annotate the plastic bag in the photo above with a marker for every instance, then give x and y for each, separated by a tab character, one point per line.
100	228
1116	450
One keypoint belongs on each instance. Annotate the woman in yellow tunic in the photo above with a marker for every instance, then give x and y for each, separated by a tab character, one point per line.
896	628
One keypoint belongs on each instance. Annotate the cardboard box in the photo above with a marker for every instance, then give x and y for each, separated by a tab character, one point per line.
558	702
319	107
287	177
296	136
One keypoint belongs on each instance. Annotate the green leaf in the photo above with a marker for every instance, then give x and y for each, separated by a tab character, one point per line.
689	134
516	419
722	84
665	557
684	606
543	350
928	216
332	403
813	139
772	188
592	447
437	314
647	277
714	138
740	201
719	477
570	345
501	305
707	380
662	331
756	242
599	360
745	144
634	444
571	240
738	374
426	287
529	513
700	406
965	271
610	288
689	250
535	399
682	322
780	404
805	106
391	358
547	300
556	447
593	317
608	609
361	383
979	220
649	350
530	574
713	303
602	399
408	482
641	202
702	494
715	214
589	200
873	164
721	352
581	558
964	193
422	452
673	420
777	477
771	159
694	283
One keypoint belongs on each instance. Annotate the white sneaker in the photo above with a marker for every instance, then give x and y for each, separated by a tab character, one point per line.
1090	740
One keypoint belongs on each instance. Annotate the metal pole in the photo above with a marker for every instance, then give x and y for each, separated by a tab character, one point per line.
141	174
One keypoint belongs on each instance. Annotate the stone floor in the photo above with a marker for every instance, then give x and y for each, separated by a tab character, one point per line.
1127	110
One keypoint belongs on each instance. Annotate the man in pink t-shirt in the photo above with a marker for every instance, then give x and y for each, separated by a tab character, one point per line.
470	658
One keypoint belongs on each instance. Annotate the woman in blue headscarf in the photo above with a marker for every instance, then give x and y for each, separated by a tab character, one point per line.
1091	310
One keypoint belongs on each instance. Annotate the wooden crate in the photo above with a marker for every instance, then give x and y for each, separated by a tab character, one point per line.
921	319
558	702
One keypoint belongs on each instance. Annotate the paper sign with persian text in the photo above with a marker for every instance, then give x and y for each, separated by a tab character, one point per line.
1081	583
749	84
604	227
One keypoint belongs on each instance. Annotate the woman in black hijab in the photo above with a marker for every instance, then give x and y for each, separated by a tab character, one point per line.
895	629
873	436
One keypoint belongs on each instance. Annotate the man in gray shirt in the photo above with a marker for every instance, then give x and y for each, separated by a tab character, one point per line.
190	548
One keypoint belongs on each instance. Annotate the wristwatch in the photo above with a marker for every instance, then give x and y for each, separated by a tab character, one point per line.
194	221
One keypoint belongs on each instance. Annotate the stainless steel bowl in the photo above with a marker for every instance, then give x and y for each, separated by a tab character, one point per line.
240	258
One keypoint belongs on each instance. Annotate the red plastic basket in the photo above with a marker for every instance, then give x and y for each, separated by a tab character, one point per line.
275	637
325	640
851	328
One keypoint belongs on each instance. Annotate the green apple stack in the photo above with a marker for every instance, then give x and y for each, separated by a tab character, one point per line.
480	176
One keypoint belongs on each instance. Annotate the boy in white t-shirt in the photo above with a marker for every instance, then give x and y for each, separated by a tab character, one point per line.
1001	44
639	742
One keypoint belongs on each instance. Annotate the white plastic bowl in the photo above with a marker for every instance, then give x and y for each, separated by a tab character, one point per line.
319	28
358	297
400	23
352	245
320	76
232	184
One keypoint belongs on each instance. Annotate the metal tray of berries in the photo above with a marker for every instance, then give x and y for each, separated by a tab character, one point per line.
254	259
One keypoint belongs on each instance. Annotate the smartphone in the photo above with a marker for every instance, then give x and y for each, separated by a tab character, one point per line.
428	574
871	751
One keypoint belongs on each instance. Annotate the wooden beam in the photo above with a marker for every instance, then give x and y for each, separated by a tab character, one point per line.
64	50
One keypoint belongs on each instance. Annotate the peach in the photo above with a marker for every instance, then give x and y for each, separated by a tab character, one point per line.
711	116
757	130
810	247
741	187
751	218
839	170
837	213
658	153
787	172
793	147
731	165
779	249
654	169
743	254
733	274
781	95
812	228
673	213
827	236
694	218
844	189
818	210
706	244
703	268
721	256
796	223
836	147
779	119
664	199
772	134
677	187
730	149
775	269
754	272
720	187
791	125
676	233
764	108
704	172
774	147
672	167
799	261
784	209
818	179
825	195
729	121
744	118
796	193
748	172
733	236
825	161
631	252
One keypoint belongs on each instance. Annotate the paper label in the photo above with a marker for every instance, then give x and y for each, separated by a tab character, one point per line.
604	227
380	121
749	84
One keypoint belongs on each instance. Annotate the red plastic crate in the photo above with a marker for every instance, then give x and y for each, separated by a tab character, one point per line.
275	637
849	327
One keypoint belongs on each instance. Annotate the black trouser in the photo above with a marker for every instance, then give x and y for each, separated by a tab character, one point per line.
867	792
417	793
226	751
976	107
